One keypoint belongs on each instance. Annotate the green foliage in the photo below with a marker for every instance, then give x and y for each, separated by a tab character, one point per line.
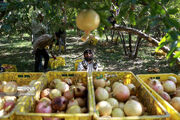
150	16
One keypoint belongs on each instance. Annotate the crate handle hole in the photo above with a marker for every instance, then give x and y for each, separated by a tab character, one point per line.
71	75
154	77
20	76
64	75
27	76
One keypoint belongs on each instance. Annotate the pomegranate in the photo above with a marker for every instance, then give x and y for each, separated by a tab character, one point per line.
43	107
169	86
59	103
81	102
172	79
54	93
108	83
68	81
133	108
10	88
177	92
72	102
101	94
74	109
80	91
175	102
108	89
156	85
116	84
165	96
62	86
117	112
69	94
152	81
132	89
45	92
81	84
45	99
84	110
104	108
121	92
99	83
8	106
114	103
54	82
134	97
87	20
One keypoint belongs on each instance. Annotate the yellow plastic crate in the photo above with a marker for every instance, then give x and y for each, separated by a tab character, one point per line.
9	67
76	77
76	64
54	63
21	78
174	114
154	108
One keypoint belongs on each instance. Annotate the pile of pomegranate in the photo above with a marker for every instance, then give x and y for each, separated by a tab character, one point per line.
7	100
62	96
167	90
116	99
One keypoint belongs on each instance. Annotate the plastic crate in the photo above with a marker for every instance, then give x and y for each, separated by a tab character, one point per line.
76	77
174	114
55	63
154	108
9	67
21	78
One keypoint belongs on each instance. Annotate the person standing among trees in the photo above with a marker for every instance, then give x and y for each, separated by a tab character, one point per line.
60	38
38	28
89	64
40	51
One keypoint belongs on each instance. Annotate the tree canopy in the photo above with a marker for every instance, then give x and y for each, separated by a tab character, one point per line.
159	19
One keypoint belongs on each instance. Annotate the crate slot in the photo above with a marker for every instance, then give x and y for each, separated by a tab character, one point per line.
20	76
64	75
71	75
27	76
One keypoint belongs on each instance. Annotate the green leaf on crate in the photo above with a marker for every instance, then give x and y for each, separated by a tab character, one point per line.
99	77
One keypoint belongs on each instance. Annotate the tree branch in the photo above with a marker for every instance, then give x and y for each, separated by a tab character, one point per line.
142	35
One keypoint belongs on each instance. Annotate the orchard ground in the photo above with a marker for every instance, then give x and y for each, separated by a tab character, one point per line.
18	51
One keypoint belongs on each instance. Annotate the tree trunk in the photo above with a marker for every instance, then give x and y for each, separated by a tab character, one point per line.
142	35
123	42
105	32
137	47
130	45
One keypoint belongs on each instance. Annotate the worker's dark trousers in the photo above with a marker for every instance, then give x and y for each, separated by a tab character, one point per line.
38	59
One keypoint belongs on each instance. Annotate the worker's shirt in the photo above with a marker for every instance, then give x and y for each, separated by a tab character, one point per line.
89	67
43	41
